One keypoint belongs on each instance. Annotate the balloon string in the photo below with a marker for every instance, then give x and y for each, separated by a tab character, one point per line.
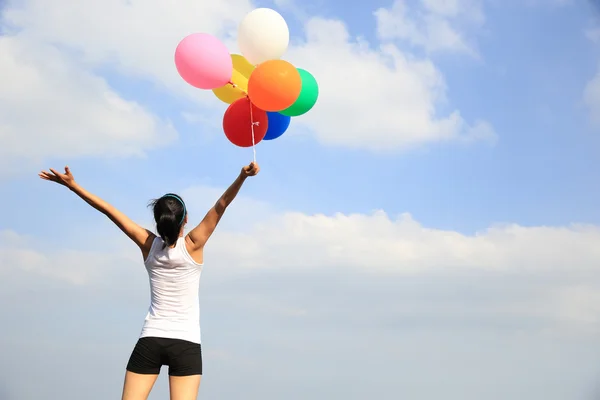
252	124
238	88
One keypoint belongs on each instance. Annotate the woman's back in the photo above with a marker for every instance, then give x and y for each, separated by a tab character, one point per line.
174	285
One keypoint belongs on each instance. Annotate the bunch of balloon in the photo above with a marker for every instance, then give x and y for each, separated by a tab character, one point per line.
263	92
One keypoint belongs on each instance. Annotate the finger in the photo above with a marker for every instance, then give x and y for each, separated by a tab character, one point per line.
67	170
54	172
47	176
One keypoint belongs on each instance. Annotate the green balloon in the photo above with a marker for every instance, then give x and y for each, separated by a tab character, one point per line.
308	95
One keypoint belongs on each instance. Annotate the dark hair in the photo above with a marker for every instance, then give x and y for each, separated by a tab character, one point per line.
169	213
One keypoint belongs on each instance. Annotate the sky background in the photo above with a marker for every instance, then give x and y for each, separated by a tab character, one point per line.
429	230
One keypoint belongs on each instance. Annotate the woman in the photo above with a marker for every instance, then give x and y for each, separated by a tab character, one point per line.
171	331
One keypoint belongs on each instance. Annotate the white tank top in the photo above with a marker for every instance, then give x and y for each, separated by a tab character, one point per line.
174	285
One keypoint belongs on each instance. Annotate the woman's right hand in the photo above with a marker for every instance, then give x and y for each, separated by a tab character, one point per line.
65	179
250	170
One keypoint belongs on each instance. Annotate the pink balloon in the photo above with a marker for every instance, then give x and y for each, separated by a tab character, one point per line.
203	61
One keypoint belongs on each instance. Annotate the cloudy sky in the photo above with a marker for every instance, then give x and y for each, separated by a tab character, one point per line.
429	230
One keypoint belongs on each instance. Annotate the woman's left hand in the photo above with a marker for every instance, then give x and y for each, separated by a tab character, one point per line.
250	170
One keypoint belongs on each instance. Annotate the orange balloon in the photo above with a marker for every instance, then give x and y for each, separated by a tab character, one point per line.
274	85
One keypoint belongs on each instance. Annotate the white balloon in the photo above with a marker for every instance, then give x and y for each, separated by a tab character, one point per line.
263	35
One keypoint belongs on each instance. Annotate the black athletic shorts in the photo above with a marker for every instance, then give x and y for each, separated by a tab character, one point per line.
150	353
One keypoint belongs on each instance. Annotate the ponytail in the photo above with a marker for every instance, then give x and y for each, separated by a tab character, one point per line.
169	214
168	228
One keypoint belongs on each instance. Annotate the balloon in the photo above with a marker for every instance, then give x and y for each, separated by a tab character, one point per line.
278	124
237	123
274	85
203	61
308	95
263	35
241	72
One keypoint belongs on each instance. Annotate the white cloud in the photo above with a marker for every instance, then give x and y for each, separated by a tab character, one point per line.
31	255
49	106
264	238
591	98
593	34
403	245
458	309
372	96
137	38
431	24
378	98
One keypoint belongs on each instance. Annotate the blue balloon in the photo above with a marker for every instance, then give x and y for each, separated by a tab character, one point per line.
278	124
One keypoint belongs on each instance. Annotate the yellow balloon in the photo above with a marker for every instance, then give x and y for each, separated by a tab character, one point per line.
242	69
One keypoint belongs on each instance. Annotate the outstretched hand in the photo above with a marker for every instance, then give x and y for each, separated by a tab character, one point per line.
250	170
65	179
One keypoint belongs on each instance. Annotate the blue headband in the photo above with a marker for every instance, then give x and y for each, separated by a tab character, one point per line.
182	203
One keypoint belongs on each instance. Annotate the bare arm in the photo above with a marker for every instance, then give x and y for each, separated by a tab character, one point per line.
201	233
142	237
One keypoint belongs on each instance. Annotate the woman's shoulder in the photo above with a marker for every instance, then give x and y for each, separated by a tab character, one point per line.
157	244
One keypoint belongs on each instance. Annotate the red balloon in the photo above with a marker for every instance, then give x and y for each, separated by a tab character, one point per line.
237	124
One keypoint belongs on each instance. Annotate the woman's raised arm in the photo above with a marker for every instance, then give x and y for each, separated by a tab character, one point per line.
201	233
141	236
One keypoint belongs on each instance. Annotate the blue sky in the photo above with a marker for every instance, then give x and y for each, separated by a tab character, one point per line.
535	62
473	277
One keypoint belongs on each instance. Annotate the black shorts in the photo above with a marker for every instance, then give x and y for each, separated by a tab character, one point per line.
151	353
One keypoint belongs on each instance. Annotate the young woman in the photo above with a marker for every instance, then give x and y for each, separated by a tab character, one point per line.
171	331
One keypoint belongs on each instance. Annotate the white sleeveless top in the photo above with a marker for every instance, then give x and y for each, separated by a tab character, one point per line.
174	285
